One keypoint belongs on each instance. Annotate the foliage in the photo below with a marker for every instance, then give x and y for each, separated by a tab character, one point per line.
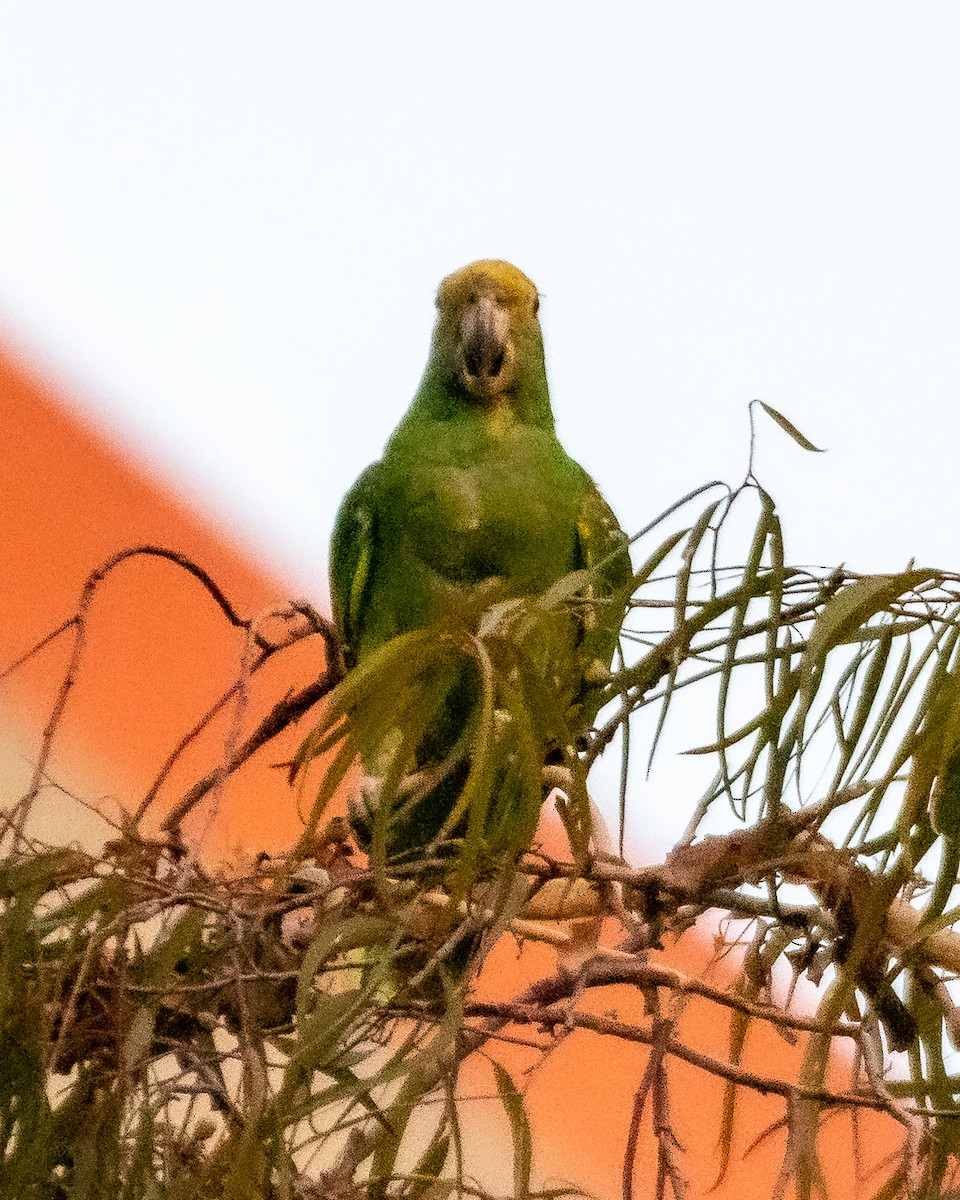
299	1030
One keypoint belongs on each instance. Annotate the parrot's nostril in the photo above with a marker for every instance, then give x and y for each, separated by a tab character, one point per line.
496	363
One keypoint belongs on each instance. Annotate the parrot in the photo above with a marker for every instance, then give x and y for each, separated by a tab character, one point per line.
475	504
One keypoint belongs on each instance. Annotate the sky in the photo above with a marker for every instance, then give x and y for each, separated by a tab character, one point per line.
222	226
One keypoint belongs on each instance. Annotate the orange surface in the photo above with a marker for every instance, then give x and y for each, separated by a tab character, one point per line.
158	650
159	653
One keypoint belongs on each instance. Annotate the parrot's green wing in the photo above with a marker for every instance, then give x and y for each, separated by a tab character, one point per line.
351	558
602	551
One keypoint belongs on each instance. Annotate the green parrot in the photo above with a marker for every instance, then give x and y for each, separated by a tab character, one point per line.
475	503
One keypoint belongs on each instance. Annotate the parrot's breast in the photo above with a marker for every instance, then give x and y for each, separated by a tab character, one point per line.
502	509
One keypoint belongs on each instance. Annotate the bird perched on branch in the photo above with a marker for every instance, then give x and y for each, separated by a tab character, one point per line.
478	527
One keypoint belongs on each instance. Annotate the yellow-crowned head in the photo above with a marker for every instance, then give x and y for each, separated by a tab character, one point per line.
487	345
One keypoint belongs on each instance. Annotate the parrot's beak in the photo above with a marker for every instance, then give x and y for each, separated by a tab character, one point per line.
485	350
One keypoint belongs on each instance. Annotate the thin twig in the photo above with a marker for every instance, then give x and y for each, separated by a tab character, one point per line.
559	1015
283	714
45	641
79	622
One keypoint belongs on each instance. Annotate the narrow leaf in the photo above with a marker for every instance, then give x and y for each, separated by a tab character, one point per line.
788	427
516	1111
845	613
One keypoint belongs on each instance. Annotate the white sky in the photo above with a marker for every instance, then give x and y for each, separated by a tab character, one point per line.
222	225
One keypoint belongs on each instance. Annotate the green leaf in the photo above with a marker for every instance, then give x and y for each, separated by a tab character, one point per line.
766	523
666	547
516	1111
396	660
139	1037
945	804
739	1028
173	946
847	612
429	1167
876	658
697	533
788	427
38	873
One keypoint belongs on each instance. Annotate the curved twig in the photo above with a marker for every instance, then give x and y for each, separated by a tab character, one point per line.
315	625
284	713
